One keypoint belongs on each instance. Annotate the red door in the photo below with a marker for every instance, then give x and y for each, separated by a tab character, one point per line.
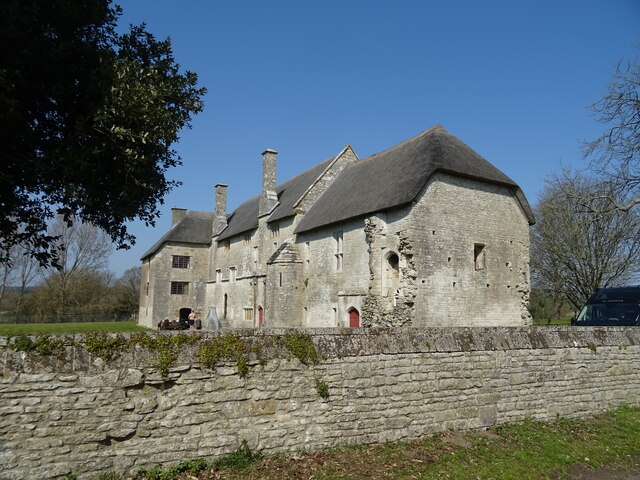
260	317
354	318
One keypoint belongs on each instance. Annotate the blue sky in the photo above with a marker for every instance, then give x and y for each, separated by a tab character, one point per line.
511	79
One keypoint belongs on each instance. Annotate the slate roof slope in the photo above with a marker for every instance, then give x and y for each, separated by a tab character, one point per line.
245	217
395	176
194	228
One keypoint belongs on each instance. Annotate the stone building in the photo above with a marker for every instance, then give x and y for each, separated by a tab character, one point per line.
426	233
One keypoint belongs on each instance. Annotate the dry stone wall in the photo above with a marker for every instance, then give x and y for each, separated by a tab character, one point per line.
75	412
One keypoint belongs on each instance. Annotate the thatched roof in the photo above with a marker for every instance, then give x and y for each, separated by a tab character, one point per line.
245	217
396	176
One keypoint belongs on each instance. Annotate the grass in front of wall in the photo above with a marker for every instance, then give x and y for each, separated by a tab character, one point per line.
69	328
528	450
552	321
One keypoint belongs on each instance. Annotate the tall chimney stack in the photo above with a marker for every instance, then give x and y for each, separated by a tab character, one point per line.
220	213
177	214
268	198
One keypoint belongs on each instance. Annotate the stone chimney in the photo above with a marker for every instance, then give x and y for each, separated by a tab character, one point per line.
177	214
268	198
220	212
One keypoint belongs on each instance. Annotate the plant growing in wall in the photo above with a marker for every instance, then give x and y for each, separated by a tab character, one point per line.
227	347
322	388
301	346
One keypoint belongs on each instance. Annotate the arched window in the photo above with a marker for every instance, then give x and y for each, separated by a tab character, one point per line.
391	279
354	317
224	310
260	317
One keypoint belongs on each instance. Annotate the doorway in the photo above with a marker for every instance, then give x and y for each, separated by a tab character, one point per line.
354	318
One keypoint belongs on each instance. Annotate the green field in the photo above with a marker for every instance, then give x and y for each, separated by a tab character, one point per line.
68	328
552	321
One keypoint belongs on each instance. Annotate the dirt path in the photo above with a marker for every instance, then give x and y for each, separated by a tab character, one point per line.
583	472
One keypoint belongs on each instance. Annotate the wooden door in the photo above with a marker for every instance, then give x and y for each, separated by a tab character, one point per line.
354	318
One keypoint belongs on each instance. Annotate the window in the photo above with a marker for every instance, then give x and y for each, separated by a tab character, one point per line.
179	288
146	289
478	256
392	277
247	238
248	314
280	279
255	259
274	228
338	242
218	275
226	244
181	261
232	274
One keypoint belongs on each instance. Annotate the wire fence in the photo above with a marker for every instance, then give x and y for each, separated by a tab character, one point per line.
76	318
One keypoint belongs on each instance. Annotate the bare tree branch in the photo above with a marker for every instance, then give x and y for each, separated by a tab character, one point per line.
615	155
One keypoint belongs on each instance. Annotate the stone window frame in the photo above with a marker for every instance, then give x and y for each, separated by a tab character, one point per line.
218	275
180	261
338	238
479	256
248	314
255	256
274	229
179	288
233	273
391	281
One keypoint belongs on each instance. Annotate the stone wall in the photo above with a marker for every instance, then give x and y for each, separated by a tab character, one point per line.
74	412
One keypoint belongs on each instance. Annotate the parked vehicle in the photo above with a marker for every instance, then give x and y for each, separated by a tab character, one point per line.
611	307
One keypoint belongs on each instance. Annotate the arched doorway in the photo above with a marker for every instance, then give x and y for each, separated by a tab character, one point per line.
260	317
354	318
184	317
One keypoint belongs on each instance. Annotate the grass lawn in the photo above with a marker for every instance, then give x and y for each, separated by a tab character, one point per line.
69	328
529	450
553	321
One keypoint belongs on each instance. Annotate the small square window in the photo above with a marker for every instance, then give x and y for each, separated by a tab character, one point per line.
179	288
181	261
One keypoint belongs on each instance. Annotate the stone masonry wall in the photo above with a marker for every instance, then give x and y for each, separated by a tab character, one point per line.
75	412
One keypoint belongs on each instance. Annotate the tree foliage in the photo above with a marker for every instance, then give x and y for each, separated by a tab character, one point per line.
574	251
616	153
88	119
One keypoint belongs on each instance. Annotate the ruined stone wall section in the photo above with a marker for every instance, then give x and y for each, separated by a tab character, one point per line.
79	414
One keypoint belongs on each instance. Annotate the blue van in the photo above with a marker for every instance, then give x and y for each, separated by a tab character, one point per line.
611	307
